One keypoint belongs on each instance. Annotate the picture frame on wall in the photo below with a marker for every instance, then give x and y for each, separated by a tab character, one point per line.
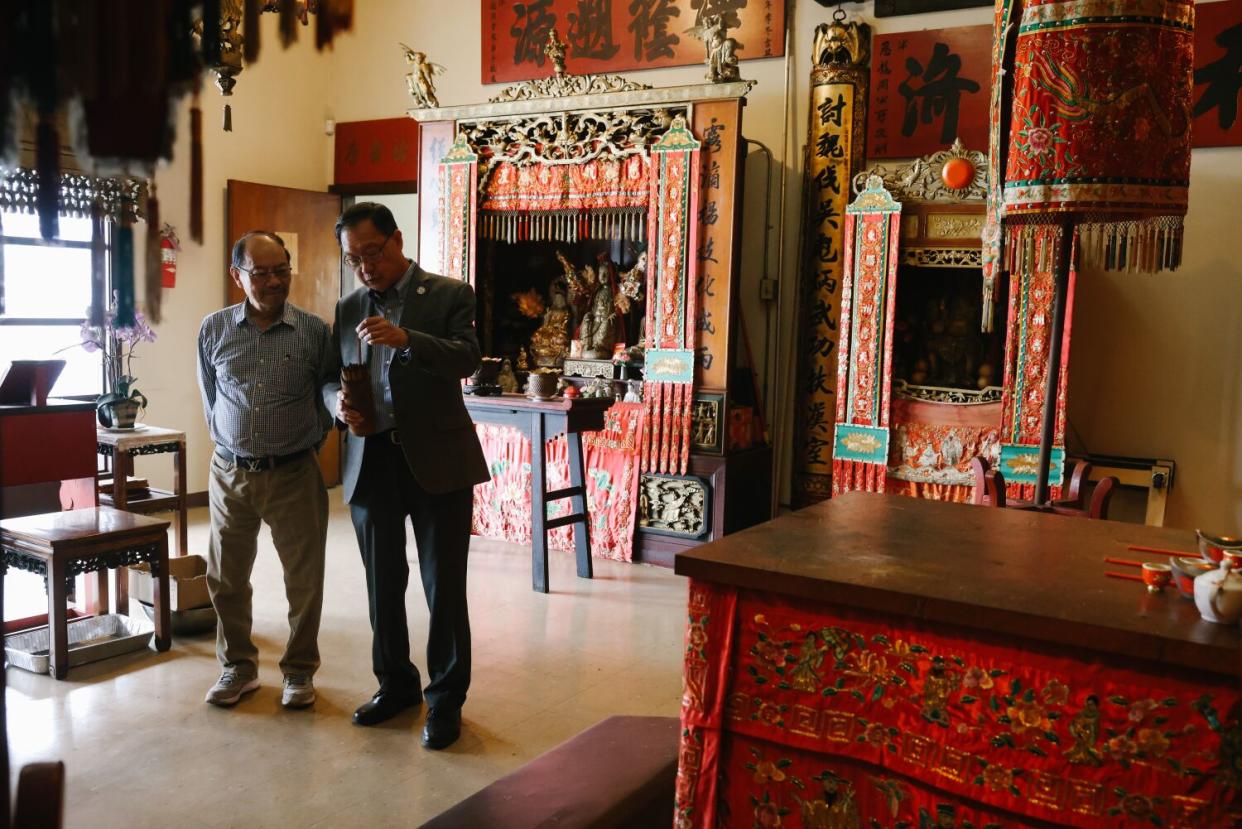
1218	57
604	37
928	89
894	8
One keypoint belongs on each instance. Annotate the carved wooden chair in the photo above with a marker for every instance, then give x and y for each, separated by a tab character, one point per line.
990	491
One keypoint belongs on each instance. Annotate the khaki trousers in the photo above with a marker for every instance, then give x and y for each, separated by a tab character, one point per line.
292	500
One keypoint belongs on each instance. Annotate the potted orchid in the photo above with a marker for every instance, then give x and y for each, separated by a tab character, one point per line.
118	408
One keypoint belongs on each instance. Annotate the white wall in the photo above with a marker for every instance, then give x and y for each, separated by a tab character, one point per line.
1155	359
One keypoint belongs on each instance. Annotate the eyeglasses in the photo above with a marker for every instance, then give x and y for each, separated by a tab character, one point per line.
262	275
371	257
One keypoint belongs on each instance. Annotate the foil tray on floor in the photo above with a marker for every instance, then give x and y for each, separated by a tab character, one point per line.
98	637
186	622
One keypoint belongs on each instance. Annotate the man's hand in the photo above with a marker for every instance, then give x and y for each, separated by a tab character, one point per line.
345	414
379	331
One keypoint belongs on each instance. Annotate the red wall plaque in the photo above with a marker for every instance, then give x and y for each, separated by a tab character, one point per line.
1218	74
382	151
617	35
928	88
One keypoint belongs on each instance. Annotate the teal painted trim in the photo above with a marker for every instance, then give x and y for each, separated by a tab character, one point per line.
1149	182
875	198
1103	20
868	444
460	152
669	365
678	137
1020	464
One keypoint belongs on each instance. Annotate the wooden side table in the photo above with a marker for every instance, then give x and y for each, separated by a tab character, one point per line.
122	445
540	421
61	545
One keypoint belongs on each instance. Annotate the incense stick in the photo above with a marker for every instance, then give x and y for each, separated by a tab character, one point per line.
1124	561
1134	548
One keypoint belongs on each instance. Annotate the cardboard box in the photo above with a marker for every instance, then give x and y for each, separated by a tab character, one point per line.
187	580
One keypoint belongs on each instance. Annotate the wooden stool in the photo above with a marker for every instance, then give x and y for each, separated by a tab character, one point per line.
621	772
61	545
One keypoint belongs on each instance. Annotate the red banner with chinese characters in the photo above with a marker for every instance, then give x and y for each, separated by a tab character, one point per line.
928	88
618	35
381	151
1218	74
851	719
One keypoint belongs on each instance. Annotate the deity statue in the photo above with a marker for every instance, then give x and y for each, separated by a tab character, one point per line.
630	285
954	348
595	328
721	49
420	81
507	380
573	279
550	342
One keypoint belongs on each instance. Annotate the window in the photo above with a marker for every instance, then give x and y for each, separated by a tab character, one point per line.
45	291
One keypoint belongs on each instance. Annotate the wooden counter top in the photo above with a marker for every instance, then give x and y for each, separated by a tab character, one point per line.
1003	571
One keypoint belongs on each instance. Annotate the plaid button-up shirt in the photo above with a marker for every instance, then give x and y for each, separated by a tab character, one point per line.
261	388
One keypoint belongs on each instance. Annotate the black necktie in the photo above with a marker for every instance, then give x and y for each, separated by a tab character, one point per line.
378	300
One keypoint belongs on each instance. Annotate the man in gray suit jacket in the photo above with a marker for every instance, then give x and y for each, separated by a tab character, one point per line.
415	333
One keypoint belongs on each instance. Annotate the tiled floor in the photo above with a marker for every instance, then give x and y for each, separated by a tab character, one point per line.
143	750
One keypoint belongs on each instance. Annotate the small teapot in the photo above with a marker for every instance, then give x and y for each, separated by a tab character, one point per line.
1218	593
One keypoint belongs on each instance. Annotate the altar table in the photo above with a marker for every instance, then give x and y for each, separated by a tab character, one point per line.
892	662
541	421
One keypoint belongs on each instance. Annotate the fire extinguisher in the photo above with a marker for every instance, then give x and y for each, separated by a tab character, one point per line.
169	247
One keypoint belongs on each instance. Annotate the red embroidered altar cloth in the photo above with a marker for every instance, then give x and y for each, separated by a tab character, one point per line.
863	720
587	185
502	504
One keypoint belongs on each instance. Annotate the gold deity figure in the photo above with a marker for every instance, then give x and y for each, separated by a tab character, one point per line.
421	80
550	342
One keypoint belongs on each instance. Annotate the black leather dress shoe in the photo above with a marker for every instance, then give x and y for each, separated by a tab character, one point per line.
443	727
384	706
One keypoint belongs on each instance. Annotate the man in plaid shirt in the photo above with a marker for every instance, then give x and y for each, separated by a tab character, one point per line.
261	364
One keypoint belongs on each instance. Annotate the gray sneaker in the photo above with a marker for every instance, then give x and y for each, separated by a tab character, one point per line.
298	692
230	687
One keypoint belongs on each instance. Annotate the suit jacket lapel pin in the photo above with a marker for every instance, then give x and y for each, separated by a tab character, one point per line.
422	289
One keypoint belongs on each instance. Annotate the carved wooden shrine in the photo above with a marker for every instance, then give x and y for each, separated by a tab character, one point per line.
922	389
598	220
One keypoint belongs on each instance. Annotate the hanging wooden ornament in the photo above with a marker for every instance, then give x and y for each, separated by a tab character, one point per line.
334	16
250	30
289	22
153	276
99	263
123	270
211	43
47	164
42	49
196	171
